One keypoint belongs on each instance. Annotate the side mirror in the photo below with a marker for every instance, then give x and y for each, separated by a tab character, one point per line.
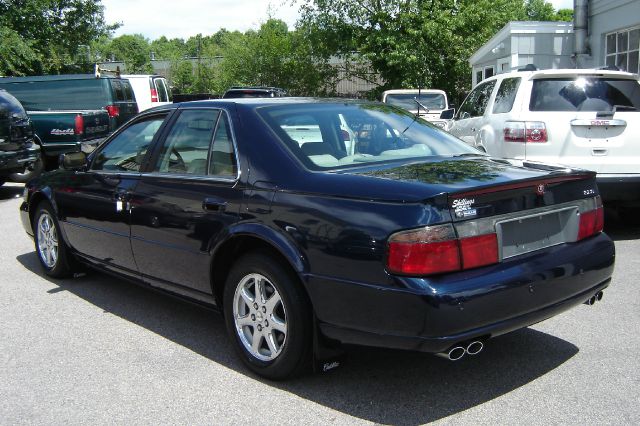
447	114
73	160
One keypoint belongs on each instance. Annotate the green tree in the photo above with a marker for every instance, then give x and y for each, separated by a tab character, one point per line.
17	57
55	30
413	43
133	50
275	56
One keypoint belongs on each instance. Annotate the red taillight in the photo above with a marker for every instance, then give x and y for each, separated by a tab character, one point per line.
525	131
479	251
592	221
154	95
113	110
79	124
435	250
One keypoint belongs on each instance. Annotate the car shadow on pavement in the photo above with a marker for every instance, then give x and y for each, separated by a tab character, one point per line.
10	192
378	385
617	229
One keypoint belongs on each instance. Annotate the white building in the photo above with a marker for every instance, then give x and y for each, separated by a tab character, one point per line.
612	37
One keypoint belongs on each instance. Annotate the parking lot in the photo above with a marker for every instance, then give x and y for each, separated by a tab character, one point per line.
96	349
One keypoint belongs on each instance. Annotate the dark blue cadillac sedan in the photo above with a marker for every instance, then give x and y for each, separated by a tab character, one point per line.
311	223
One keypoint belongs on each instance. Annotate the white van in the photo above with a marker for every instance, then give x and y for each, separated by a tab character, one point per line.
585	118
150	90
435	101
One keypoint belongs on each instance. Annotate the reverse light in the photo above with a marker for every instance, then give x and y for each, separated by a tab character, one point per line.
437	249
154	95
525	131
113	110
592	221
79	125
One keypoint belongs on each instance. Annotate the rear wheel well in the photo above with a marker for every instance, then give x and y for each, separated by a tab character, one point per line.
230	251
33	205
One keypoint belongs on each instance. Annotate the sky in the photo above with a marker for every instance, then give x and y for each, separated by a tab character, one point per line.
186	18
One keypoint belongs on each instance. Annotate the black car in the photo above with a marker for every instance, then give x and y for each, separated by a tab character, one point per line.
19	155
311	223
254	92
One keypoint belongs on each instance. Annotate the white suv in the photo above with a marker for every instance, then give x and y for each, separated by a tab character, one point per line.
582	118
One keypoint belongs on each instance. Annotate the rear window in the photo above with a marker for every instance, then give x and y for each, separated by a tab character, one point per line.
329	136
60	94
584	93
407	100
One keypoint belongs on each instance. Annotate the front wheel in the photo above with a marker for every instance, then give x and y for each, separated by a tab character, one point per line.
52	251
268	317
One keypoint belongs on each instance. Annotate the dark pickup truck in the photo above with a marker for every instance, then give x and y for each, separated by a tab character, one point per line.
72	112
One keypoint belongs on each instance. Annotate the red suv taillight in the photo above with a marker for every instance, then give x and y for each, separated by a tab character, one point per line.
154	95
525	131
79	125
592	221
436	249
113	110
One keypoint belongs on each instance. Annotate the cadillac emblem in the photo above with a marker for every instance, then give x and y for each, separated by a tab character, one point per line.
540	189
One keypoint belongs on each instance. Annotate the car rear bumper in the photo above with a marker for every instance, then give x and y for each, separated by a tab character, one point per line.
619	187
11	161
432	315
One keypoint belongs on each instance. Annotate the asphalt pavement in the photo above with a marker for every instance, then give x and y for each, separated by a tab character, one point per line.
100	350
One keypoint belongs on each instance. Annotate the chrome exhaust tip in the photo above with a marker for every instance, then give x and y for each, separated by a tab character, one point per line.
475	347
599	296
590	301
453	354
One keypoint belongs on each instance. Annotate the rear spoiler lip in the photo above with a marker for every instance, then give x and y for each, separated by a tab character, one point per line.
532	183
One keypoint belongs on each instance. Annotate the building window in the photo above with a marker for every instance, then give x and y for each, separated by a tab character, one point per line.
622	49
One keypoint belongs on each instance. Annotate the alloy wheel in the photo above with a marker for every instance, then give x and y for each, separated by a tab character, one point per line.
47	240
260	317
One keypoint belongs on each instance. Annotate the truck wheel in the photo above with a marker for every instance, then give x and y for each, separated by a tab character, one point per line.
268	317
30	171
53	252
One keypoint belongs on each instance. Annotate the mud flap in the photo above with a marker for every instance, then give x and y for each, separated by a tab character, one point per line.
327	354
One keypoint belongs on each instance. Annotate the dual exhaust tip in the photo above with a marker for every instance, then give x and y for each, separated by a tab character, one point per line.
458	351
593	299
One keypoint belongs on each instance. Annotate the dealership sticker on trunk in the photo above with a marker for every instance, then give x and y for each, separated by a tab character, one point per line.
463	207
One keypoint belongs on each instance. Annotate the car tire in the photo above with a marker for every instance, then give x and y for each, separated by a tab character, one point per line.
31	171
271	333
52	251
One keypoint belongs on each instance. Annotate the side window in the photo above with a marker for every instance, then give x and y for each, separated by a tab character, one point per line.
186	149
223	159
128	92
127	150
506	95
476	102
484	94
117	90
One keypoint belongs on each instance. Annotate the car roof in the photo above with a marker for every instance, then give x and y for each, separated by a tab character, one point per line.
560	72
400	91
249	102
61	77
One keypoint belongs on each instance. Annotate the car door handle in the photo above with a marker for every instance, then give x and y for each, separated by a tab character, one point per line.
212	204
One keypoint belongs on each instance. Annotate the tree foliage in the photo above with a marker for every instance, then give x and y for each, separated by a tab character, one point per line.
413	43
54	30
